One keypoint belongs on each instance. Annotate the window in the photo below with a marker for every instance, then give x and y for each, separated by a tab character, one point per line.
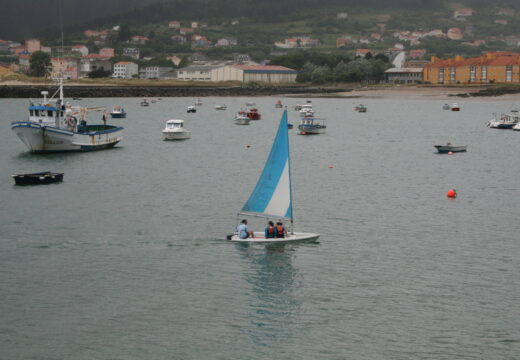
37	112
452	74
441	76
483	72
472	72
31	112
49	113
509	73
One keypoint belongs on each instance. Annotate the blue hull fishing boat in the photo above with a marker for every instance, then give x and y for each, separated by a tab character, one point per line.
272	196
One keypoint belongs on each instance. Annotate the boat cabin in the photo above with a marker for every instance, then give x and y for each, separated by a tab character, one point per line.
174	124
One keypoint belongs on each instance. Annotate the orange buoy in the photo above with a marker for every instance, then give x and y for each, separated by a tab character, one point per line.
450	153
452	193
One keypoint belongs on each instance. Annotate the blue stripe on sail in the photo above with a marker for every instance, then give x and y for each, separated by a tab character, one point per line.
274	167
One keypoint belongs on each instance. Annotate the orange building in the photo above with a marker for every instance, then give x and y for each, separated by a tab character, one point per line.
493	67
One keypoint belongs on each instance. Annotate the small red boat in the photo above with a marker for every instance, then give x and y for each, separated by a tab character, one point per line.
253	114
278	104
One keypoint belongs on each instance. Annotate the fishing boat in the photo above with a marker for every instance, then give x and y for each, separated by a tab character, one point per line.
505	121
174	130
53	126
220	107
448	148
311	126
455	107
253	114
278	104
145	102
241	118
118	113
40	178
272	196
361	108
191	109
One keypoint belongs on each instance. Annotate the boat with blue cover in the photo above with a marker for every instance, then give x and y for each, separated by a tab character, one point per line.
53	126
272	196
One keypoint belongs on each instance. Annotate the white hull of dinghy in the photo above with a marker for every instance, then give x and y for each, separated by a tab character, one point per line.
295	237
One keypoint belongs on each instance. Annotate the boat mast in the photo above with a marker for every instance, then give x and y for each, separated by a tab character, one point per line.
290	180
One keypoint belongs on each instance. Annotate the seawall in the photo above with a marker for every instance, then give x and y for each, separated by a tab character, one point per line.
85	91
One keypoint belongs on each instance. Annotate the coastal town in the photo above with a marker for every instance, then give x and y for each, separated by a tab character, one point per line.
119	53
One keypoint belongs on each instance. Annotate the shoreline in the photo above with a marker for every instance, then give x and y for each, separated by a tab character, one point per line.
18	89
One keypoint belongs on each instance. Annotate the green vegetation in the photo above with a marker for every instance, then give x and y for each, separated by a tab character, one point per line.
40	64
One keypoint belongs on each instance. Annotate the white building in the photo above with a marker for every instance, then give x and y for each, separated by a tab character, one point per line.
256	73
125	70
157	72
82	49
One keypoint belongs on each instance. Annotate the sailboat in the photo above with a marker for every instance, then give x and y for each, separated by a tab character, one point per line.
272	196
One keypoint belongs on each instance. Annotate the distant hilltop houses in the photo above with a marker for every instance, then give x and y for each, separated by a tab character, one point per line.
297	42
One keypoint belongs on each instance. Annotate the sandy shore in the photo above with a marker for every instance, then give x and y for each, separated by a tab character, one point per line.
425	93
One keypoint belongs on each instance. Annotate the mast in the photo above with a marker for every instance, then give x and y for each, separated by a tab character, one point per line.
290	180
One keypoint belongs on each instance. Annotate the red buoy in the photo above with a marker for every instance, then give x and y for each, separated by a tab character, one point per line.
452	193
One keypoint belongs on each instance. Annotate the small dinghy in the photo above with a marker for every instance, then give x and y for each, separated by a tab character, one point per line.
448	148
272	197
45	177
191	109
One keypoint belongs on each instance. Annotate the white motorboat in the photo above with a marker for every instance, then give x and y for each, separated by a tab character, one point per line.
250	103
175	130
455	107
118	112
220	107
145	102
505	121
307	109
242	119
272	196
446	107
191	109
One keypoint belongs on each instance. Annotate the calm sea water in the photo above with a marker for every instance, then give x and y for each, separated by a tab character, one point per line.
126	259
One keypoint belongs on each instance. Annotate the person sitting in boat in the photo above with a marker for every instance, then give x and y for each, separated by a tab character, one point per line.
270	230
280	230
243	232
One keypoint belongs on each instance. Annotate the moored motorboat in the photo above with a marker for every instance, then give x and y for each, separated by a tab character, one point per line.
118	113
505	121
220	107
448	148
455	107
145	102
446	107
361	108
45	177
278	104
191	109
174	130
241	118
307	109
311	126
250	103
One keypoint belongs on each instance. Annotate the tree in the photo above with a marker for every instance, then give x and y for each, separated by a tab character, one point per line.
39	64
99	73
124	33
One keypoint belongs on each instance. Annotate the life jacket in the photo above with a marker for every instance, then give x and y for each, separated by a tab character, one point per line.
280	233
270	233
